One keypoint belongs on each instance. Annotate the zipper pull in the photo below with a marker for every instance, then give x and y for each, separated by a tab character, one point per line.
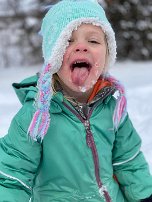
102	190
104	193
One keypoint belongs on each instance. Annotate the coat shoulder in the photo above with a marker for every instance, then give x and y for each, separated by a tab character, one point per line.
26	90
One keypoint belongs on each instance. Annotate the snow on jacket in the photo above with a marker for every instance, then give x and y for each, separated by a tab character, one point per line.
61	168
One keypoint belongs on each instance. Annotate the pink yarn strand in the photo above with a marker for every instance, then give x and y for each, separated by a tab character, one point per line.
33	123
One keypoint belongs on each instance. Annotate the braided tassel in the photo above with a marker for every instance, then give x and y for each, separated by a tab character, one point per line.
41	119
120	109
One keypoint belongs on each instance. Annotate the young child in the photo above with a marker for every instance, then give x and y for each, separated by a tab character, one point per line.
76	143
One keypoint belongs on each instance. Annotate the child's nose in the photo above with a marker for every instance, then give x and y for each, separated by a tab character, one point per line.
81	48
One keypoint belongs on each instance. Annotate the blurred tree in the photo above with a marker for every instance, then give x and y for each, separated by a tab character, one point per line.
132	22
19	26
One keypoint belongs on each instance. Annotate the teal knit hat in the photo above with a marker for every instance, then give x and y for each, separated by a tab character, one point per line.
56	30
65	17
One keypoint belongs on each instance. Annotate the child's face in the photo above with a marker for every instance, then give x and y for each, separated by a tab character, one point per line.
84	59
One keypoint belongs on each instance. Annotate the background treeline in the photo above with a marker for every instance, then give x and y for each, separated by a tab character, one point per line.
20	20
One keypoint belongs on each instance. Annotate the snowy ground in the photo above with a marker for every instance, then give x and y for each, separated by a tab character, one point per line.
136	77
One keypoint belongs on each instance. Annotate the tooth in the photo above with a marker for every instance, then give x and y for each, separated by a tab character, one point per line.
78	62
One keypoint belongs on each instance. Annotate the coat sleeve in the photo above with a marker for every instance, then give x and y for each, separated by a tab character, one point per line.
130	166
19	159
149	199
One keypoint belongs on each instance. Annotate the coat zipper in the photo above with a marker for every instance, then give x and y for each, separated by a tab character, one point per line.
91	144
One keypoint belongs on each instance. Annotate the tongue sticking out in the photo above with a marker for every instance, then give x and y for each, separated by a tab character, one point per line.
79	75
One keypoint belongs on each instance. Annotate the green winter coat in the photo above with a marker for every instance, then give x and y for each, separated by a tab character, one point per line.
61	168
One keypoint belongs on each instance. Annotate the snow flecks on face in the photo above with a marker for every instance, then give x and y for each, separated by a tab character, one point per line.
87	87
82	89
97	72
93	82
96	65
70	80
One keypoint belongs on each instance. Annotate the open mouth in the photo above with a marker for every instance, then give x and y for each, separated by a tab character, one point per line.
80	71
81	64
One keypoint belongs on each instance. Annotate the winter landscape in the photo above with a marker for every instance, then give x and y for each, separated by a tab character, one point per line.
136	77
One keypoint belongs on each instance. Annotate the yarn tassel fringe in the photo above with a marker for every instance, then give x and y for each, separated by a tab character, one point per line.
39	125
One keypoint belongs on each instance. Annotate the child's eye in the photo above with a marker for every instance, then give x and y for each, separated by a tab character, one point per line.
94	41
70	40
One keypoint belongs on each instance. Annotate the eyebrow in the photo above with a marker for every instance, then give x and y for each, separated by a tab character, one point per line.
93	32
97	33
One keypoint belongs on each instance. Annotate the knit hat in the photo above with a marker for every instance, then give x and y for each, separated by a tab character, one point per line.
57	27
